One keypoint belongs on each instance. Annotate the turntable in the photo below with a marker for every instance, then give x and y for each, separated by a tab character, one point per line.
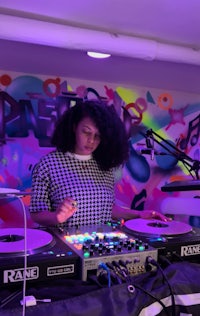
12	241
174	240
48	258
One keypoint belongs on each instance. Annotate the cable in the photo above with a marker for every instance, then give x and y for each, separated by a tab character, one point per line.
25	254
164	260
115	276
131	285
152	296
103	266
155	263
178	257
18	197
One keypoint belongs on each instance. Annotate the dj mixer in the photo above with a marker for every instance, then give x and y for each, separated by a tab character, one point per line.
81	252
108	245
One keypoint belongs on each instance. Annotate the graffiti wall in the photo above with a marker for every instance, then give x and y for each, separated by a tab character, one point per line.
163	128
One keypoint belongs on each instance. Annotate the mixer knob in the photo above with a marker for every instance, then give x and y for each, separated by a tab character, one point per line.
119	248
85	247
100	251
133	244
129	247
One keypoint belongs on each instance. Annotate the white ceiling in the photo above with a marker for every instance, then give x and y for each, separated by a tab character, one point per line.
157	37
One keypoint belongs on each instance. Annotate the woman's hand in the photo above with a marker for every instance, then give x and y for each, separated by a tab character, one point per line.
66	209
148	214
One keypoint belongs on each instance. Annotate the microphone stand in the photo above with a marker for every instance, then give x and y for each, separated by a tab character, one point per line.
192	165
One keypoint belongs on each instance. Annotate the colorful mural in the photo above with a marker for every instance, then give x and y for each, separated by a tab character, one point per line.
30	106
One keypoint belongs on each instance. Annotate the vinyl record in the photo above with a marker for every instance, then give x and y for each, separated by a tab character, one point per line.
12	241
156	227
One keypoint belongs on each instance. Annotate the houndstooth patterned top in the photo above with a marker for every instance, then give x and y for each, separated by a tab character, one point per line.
59	175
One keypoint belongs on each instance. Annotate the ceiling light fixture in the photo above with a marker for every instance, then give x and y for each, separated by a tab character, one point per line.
98	55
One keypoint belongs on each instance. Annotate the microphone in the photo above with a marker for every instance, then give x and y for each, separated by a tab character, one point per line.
150	146
148	142
151	152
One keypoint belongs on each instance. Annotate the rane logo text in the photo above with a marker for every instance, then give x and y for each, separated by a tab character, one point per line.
16	275
190	250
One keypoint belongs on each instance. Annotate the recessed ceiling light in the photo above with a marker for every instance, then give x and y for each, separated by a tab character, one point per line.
98	55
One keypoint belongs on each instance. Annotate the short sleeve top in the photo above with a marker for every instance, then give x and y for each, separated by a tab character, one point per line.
59	175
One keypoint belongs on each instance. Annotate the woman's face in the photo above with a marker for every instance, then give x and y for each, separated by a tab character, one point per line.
87	137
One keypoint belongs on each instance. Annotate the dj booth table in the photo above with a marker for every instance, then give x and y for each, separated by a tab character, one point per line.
54	271
76	298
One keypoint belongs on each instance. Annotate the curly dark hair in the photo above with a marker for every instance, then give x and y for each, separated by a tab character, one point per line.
113	149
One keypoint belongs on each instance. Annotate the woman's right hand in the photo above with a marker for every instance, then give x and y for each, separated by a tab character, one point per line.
66	209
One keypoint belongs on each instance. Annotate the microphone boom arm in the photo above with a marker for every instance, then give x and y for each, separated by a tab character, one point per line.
194	165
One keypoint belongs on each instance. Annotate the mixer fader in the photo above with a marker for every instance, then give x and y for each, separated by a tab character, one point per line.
106	244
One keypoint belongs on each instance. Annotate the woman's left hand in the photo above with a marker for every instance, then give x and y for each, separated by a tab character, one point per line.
149	214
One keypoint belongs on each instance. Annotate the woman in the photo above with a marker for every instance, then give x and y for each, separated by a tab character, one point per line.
74	184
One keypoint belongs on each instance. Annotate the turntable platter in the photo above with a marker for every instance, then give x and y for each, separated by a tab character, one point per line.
12	241
157	227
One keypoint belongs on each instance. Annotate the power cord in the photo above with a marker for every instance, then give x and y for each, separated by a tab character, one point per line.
155	263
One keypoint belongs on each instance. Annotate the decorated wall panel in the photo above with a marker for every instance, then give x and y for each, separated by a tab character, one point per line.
30	106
